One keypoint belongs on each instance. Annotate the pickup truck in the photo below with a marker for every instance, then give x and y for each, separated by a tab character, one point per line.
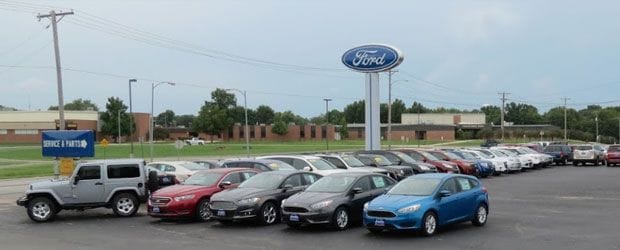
194	141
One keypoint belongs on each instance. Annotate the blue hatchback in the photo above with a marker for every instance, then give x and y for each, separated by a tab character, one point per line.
427	201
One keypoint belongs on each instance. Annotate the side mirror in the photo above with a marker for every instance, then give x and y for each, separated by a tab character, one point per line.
225	184
307	169
287	187
356	190
76	179
444	193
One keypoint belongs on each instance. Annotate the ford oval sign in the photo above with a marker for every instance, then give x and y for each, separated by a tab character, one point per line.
372	58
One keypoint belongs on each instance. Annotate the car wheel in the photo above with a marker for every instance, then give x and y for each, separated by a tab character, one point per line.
340	218
375	230
203	213
41	209
268	214
125	205
429	224
480	218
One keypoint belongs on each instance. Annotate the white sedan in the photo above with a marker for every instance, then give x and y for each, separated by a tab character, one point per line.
181	169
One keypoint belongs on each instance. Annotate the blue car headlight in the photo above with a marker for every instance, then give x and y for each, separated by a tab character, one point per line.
365	206
409	209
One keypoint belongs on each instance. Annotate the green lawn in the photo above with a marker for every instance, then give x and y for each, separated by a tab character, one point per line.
35	170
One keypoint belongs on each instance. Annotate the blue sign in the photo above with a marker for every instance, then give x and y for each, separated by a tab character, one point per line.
372	58
68	143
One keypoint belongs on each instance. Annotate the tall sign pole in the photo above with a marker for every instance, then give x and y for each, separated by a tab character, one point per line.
61	103
372	59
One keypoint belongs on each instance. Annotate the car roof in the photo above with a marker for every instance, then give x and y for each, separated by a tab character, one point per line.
441	176
171	162
225	170
355	174
305	157
283	172
112	161
264	161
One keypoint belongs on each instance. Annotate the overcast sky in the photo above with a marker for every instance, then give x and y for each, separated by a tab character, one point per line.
457	53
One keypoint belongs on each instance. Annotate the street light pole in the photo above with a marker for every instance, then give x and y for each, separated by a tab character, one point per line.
247	128
153	86
596	120
327	100
565	126
131	122
118	117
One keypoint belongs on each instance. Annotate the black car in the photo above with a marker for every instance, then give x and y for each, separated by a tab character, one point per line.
379	161
260	164
259	197
562	154
402	159
490	143
335	200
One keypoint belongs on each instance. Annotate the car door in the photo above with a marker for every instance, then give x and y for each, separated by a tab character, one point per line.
89	188
381	184
310	179
468	196
296	183
449	205
234	178
368	193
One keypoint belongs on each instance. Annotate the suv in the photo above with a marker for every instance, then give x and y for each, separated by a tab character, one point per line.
588	153
117	184
561	154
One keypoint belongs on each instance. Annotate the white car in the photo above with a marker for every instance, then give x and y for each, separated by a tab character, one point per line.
545	159
308	163
498	164
195	141
181	169
513	162
527	161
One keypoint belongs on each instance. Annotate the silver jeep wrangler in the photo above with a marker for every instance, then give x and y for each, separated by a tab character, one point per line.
118	184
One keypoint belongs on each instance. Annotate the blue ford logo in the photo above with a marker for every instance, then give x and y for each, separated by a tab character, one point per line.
372	58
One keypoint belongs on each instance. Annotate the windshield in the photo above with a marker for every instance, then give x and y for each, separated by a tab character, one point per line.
553	149
429	156
331	184
438	155
469	156
583	148
263	181
321	164
613	149
404	157
192	166
486	153
415	186
381	160
528	150
353	162
500	153
278	165
453	155
203	179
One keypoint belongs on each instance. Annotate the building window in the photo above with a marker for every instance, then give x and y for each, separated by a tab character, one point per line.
312	131
3	132
252	132
26	132
323	132
420	135
263	132
302	132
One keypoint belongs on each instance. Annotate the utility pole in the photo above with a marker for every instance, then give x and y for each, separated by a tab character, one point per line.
61	103
246	129
131	124
596	120
565	126
389	128
327	100
118	117
502	114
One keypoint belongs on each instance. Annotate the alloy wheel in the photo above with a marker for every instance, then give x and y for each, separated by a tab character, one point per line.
41	210
125	205
430	224
342	219
269	214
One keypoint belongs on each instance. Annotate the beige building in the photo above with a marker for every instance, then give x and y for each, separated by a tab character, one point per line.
26	126
444	118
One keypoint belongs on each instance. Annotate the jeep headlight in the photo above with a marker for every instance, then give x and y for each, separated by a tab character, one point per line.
249	201
184	197
409	209
321	204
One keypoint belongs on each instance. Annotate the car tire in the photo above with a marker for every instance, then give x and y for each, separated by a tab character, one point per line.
125	205
429	224
481	216
203	213
374	230
41	209
341	219
268	214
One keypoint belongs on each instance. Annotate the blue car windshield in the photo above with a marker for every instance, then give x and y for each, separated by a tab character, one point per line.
415	186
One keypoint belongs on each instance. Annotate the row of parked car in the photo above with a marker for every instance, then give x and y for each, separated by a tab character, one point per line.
382	189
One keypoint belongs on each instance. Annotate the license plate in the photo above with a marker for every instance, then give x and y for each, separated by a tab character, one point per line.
155	209
380	223
294	217
166	179
221	213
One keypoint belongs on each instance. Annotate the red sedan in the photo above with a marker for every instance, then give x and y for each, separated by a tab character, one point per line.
423	156
191	199
465	166
613	155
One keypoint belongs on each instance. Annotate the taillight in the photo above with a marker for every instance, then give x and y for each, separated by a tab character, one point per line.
484	189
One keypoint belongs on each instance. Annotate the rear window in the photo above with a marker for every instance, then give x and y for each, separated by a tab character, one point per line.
553	149
123	171
583	148
192	166
613	149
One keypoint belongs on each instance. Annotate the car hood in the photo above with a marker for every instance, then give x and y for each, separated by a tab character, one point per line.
395	202
305	199
241	193
46	184
177	190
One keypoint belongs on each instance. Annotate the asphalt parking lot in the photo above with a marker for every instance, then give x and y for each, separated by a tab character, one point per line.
555	208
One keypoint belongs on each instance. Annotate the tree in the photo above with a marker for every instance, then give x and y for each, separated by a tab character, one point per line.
355	112
398	108
165	118
5	108
520	113
279	128
264	114
238	115
111	116
492	114
343	130
417	107
212	119
185	120
290	117
223	99
160	134
78	104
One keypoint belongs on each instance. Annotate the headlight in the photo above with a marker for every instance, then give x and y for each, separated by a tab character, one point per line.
409	209
282	203
321	204
366	206
185	197
248	201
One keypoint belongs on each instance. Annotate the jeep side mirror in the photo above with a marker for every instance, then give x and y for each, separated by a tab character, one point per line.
356	190
76	179
225	184
444	193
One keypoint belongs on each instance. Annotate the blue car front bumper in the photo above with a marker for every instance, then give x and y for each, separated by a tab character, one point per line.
398	222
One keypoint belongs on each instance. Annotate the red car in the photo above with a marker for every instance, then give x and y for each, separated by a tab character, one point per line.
423	156
191	199
465	166
613	155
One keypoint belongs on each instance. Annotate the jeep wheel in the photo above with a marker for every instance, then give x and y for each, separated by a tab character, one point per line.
41	209
125	205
